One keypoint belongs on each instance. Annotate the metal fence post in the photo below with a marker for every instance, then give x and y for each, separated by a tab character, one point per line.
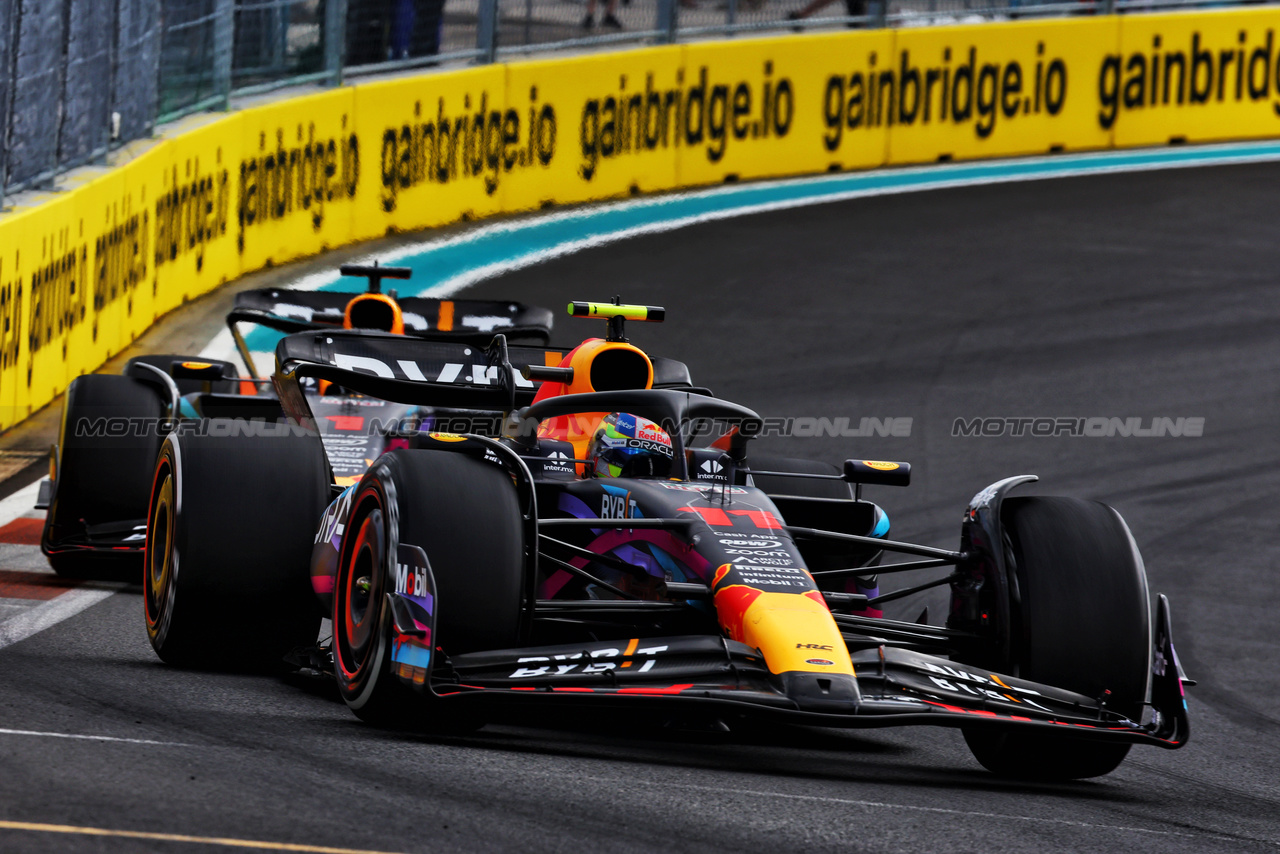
335	38
223	39
8	54
668	13
1108	7
88	40
487	31
36	92
114	117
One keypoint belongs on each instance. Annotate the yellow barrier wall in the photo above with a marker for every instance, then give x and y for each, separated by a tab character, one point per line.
1193	78
422	145
594	127
83	272
980	91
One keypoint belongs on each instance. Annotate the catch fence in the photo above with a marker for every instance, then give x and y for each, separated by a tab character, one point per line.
79	77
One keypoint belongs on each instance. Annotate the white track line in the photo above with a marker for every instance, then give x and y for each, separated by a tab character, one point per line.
19	503
92	737
62	607
51	613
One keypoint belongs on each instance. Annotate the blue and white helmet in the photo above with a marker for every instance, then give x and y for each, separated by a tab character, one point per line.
626	445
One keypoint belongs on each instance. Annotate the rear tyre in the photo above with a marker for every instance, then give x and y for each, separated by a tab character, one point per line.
229	535
1079	620
465	514
106	477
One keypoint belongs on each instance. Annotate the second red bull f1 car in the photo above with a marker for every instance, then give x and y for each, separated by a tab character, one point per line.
113	425
598	553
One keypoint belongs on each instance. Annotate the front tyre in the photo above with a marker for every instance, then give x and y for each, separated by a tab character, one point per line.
103	472
465	514
1080	620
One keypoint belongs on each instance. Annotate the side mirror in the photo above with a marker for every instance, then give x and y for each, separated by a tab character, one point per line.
206	371
545	374
877	472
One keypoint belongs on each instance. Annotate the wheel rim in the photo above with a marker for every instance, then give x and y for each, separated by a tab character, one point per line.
357	615
158	574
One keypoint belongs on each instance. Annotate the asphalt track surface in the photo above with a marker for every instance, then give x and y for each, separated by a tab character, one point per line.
1146	295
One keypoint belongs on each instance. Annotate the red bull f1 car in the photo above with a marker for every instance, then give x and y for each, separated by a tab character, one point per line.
113	425
600	553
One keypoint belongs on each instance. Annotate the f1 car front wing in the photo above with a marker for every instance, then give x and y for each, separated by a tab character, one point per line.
892	687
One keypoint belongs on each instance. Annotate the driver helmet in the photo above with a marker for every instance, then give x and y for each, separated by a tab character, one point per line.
626	445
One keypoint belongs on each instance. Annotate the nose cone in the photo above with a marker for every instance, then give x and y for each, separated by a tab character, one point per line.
813	692
793	630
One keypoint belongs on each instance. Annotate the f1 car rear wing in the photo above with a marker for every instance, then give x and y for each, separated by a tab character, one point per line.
449	374
398	368
468	321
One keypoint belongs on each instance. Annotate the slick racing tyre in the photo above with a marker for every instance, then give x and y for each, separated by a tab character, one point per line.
107	450
465	514
229	536
1080	620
